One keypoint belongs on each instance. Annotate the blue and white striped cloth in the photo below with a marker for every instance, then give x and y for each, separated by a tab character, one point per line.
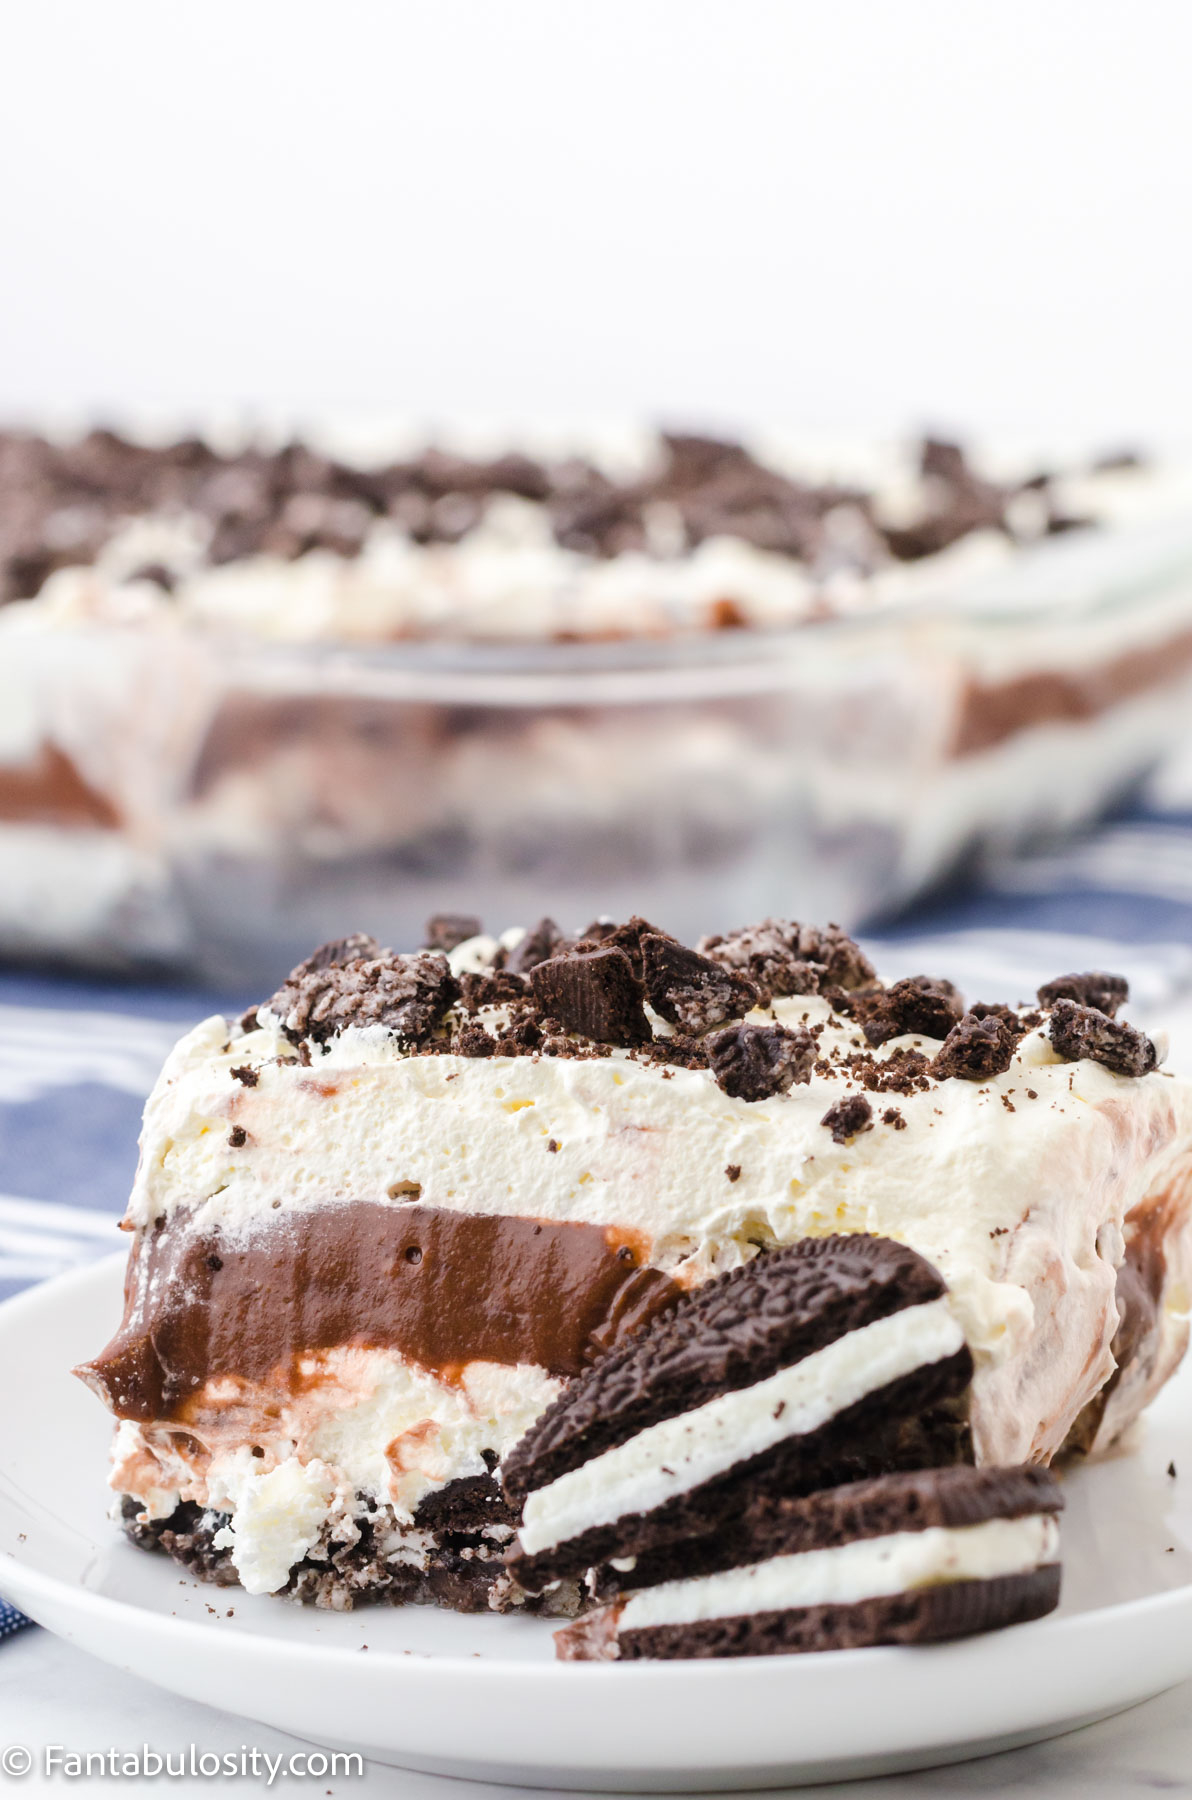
77	1058
11	1620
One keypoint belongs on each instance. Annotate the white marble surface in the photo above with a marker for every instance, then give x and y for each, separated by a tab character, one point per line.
52	1694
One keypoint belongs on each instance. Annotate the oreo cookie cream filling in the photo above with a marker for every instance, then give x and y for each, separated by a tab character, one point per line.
386	1225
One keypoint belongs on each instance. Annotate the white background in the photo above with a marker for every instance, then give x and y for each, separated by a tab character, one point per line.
832	214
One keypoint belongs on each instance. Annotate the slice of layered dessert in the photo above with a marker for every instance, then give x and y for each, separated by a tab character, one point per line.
380	1223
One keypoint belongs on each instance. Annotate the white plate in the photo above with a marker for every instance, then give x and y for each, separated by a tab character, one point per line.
482	1697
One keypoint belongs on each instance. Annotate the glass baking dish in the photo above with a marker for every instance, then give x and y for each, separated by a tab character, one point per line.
172	799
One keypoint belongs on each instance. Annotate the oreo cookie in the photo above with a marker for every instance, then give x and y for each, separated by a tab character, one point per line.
903	1559
815	1364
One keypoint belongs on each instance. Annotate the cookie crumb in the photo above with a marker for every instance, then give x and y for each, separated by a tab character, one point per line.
848	1117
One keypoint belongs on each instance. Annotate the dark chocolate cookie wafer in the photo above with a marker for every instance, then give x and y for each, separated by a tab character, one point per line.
908	1558
816	1364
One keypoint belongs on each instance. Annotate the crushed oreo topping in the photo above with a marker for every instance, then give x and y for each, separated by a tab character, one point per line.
917	1004
492	987
848	1117
902	1072
593	993
447	931
992	1009
976	1048
679	1051
1094	988
1079	1032
692	991
356	947
248	1077
604	934
521	1037
540	942
784	957
755	1062
575	996
62	502
407	994
845	963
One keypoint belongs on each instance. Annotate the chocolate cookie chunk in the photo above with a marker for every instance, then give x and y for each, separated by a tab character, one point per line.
1094	988
630	937
847	1117
975	1049
784	956
406	994
492	987
652	1461
690	990
1079	1032
357	947
755	1062
917	1004
543	940
988	1558
593	993
446	931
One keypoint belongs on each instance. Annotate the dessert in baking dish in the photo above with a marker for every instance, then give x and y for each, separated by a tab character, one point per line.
245	693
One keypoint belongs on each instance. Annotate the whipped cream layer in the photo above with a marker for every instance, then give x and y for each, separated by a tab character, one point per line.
865	1570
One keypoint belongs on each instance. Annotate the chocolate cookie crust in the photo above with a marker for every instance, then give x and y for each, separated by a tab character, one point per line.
464	1570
